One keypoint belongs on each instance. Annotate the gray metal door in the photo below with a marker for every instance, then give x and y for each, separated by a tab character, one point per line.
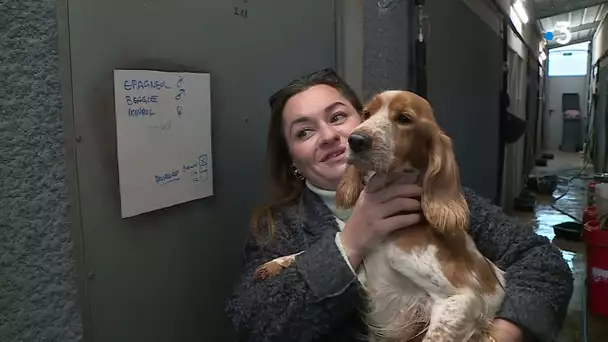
165	275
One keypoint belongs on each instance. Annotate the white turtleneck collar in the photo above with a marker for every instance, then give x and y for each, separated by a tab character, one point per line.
329	198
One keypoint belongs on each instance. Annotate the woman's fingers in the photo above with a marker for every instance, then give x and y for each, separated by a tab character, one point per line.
398	205
400	221
375	183
407	178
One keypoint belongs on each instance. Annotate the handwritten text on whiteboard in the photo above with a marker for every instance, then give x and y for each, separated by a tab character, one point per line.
163	125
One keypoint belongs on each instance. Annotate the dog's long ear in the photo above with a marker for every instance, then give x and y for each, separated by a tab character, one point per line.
443	203
350	188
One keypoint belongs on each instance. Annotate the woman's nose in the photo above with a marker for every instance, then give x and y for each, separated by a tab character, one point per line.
329	134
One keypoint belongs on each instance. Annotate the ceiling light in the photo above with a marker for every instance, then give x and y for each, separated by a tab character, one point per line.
521	11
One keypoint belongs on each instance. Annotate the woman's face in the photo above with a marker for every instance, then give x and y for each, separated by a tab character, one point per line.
316	124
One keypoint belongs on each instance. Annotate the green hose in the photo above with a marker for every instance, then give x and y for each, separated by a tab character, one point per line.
585	332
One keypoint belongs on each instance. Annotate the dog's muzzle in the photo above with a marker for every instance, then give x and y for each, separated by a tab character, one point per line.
359	142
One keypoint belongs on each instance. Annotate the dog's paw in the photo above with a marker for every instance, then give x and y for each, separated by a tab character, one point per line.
269	269
273	267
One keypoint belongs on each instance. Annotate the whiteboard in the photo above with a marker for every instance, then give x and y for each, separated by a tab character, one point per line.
163	129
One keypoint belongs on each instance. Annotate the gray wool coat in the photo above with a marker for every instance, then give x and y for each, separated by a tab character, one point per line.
320	299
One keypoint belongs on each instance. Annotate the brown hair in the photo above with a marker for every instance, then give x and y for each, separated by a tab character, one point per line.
285	187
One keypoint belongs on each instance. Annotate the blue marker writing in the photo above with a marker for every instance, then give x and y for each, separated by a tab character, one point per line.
131	100
135	112
145	84
167	177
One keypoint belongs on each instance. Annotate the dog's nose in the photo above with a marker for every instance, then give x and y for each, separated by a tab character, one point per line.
359	142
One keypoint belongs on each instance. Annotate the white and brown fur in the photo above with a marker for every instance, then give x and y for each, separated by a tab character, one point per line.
426	282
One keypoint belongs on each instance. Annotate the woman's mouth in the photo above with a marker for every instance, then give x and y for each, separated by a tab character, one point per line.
333	154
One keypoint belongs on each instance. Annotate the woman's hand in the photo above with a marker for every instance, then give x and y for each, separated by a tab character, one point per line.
505	331
379	211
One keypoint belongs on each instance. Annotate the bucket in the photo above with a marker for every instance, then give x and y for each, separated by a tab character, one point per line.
601	203
596	240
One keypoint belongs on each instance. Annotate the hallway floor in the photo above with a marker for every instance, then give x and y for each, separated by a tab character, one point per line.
565	166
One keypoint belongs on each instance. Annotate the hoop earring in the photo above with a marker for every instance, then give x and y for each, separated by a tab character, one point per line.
296	172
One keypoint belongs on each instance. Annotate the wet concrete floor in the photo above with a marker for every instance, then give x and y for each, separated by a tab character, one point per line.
568	208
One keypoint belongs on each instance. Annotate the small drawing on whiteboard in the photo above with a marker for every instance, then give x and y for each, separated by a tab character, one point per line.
202	167
163	126
163	132
181	93
192	170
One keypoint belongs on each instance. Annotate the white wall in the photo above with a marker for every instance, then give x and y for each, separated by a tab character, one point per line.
599	42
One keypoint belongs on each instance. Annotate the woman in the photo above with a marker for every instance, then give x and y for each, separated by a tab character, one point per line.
319	297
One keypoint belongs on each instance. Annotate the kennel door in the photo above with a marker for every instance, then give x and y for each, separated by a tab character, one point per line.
165	275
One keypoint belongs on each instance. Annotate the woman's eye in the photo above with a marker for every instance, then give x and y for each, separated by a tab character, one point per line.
338	117
303	134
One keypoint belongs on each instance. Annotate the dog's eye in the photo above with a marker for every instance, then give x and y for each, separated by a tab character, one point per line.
366	114
403	119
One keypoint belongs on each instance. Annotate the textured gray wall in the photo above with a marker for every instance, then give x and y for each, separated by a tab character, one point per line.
37	277
386	53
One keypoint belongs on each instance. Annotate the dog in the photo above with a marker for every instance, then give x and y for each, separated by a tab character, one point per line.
425	282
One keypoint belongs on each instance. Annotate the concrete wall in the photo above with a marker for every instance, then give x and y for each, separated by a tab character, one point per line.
37	274
387	38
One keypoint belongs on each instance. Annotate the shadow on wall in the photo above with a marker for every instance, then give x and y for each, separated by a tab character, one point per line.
37	274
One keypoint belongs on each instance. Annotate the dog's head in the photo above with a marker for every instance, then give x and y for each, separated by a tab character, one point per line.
400	134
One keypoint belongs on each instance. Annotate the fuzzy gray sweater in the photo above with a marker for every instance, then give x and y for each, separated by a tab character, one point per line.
319	299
